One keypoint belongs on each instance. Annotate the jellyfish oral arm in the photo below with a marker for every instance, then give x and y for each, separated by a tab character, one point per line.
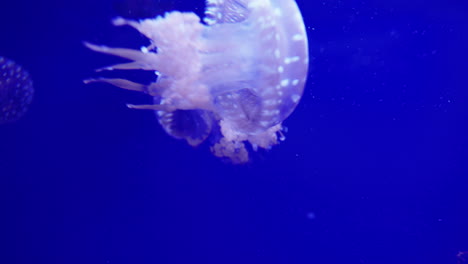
176	60
121	83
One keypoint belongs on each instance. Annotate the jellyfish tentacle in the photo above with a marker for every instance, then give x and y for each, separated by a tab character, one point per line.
121	83
151	107
141	60
135	65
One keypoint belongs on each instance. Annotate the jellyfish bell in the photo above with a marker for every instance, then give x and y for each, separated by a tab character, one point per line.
16	91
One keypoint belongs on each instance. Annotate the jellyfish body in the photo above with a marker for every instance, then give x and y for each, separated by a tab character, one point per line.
16	91
235	77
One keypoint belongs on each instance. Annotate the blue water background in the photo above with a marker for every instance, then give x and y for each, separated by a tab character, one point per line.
374	168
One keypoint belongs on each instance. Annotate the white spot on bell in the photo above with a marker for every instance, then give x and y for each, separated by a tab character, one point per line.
277	12
264	123
295	98
298	37
277	53
289	60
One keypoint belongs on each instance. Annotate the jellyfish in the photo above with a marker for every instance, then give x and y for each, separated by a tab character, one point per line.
16	91
235	77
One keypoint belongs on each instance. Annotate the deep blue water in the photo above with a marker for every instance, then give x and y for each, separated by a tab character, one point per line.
374	168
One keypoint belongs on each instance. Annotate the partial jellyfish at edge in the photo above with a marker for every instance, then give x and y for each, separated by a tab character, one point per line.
234	78
16	91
